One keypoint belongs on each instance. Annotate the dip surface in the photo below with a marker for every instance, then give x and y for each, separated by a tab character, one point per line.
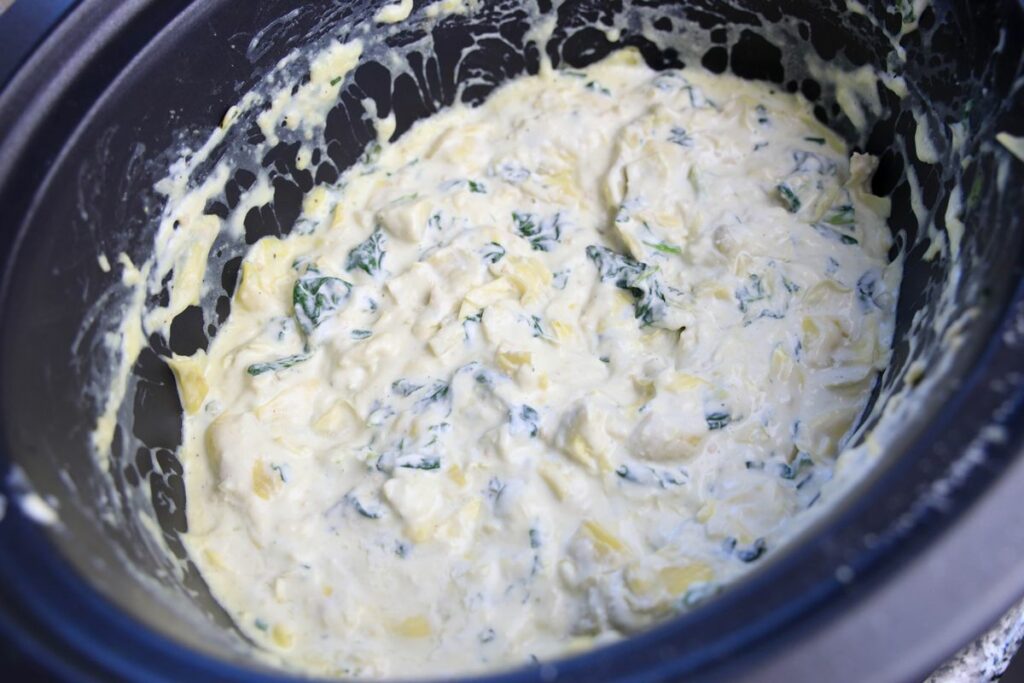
536	375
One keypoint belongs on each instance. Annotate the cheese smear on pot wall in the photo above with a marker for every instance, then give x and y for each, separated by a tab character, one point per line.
538	374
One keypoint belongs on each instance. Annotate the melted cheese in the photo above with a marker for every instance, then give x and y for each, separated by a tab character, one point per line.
545	372
392	14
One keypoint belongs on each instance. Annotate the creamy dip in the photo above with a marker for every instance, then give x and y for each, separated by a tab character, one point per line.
539	373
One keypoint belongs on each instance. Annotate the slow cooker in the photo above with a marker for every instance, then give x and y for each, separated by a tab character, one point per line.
918	558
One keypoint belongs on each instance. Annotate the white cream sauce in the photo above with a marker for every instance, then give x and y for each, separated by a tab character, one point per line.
541	372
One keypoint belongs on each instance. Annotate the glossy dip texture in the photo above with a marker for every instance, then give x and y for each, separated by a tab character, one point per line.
537	374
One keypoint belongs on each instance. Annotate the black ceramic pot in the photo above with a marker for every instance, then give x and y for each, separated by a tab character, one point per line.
921	556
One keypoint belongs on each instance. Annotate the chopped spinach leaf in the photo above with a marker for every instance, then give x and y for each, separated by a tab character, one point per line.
678	136
368	256
481	375
493	252
636	278
276	365
817	141
790	470
718	419
650	304
789	198
437	431
774	315
336	80
316	298
536	326
840	215
418	462
468	322
363	510
750	292
809	162
831	233
435	393
623	215
866	285
404	387
282	471
597	87
752	552
477	187
757	300
523	420
284	327
624	472
379	414
541	234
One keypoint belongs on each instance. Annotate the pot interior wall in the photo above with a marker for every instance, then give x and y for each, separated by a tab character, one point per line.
99	199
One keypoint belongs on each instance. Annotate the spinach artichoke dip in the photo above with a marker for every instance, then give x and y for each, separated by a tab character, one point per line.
537	374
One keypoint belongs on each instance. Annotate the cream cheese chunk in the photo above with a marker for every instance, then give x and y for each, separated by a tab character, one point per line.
544	372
